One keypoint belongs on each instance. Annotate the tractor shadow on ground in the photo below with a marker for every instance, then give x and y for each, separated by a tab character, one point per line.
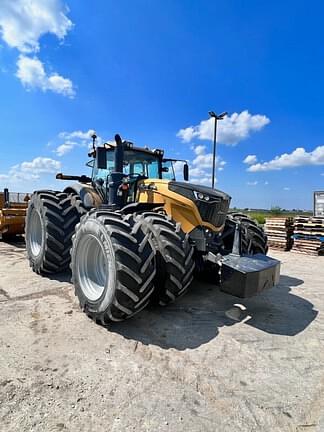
16	241
196	318
65	276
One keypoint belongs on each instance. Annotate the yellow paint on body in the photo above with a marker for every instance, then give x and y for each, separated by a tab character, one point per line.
180	208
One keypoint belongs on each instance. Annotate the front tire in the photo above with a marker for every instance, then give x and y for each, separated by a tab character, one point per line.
113	266
174	256
253	238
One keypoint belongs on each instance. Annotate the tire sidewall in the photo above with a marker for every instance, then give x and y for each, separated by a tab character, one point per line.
97	229
35	204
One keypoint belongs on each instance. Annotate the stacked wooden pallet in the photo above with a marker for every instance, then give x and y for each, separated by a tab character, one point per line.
309	235
279	232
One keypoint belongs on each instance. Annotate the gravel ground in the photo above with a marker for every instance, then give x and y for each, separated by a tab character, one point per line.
202	364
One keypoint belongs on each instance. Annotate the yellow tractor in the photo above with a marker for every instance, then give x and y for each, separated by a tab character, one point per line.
132	234
13	208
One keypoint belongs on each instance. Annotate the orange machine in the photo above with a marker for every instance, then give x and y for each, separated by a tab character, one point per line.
13	208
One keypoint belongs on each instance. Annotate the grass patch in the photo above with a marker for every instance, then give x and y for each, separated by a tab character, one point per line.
261	215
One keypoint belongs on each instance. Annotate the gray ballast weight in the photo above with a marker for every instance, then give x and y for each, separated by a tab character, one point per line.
248	275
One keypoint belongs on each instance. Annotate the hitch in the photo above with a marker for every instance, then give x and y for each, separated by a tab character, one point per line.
245	275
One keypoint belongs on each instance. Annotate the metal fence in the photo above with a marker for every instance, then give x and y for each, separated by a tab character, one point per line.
12	198
19	197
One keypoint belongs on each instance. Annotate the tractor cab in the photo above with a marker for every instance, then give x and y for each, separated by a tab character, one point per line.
117	170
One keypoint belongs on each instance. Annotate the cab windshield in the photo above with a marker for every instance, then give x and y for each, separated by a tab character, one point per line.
137	162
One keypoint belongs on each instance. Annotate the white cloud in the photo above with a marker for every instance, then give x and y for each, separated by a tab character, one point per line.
197	172
178	168
266	183
322	174
206	181
299	157
206	161
200	167
83	137
74	139
187	134
77	134
250	159
39	165
65	148
23	22
252	183
199	149
194	172
286	188
32	74
231	130
30	171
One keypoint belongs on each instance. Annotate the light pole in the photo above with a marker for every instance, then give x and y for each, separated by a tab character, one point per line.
216	117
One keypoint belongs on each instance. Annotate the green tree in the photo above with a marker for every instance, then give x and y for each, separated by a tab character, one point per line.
276	210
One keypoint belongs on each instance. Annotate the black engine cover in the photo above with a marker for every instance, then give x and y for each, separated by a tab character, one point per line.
214	210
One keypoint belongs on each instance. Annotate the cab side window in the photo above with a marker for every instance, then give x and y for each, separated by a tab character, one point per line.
168	171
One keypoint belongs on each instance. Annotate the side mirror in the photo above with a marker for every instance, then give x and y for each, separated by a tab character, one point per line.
186	172
101	158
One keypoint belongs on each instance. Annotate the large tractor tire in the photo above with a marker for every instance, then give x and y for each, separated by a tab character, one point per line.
50	223
253	238
72	211
174	256
113	266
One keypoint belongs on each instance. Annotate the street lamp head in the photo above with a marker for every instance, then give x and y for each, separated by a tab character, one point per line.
221	116
217	117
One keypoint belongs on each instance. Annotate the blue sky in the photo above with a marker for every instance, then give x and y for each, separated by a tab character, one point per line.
151	71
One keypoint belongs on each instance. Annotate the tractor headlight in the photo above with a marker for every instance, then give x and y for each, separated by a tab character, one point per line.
201	196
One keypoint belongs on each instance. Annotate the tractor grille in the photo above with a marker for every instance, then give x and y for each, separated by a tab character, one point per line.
214	211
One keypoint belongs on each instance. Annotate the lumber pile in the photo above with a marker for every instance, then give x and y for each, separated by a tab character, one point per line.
309	235
279	231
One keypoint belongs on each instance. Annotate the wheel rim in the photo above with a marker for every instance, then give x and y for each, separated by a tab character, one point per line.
93	271
36	235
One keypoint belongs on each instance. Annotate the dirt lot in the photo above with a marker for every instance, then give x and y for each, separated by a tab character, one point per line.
201	364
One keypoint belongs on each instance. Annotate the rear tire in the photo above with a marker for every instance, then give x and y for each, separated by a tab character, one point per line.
174	256
113	266
45	232
50	224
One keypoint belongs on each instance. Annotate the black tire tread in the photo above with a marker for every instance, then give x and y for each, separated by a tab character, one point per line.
135	265
253	238
174	261
60	217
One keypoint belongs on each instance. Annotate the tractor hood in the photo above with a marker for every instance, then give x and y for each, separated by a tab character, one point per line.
212	204
190	190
